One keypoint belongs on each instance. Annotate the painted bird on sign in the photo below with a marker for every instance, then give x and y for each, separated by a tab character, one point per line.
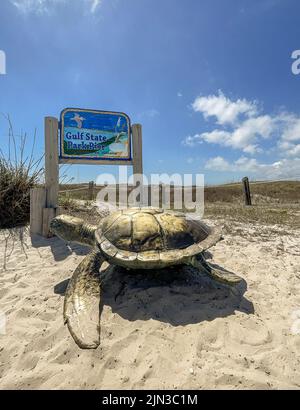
78	120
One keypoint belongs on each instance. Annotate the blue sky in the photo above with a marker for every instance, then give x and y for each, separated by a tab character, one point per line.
210	80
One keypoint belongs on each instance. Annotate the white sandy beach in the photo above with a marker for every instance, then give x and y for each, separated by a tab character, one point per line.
156	334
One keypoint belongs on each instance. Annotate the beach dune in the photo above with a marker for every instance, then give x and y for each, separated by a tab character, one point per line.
176	330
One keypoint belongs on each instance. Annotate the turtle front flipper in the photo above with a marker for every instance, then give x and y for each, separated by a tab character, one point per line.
82	302
219	275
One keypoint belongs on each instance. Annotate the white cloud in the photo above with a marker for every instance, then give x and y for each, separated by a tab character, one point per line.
292	130
225	110
289	141
285	168
289	149
191	141
244	137
215	137
218	164
179	94
148	114
244	129
47	6
36	6
94	5
295	151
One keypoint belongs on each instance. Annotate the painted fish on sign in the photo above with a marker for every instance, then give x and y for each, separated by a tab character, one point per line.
94	135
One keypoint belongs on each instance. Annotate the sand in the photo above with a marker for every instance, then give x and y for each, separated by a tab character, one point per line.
184	333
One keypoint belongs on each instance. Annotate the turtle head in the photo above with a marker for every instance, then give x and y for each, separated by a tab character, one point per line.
73	229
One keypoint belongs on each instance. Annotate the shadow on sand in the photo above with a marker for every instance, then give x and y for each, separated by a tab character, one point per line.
59	248
178	295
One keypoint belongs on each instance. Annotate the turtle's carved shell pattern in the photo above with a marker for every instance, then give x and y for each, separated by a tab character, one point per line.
150	237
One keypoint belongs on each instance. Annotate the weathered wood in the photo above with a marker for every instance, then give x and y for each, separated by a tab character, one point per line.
137	156
247	193
51	173
51	161
137	147
37	204
162	196
91	190
48	215
149	194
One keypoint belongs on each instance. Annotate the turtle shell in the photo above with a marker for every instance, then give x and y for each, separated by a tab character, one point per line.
150	238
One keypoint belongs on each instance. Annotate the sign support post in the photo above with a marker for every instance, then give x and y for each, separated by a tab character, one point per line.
51	173
137	149
51	162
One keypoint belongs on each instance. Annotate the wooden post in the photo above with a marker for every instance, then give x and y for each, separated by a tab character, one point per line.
48	215
149	194
51	171
91	190
137	149
37	204
137	154
161	195
51	161
247	192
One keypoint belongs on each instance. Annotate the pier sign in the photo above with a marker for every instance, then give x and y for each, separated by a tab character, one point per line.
94	135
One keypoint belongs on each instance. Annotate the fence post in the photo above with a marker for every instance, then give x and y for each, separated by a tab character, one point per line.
247	192
37	204
91	190
162	195
137	158
149	194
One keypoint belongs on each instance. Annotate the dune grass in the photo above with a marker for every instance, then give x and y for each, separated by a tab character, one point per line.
18	174
274	204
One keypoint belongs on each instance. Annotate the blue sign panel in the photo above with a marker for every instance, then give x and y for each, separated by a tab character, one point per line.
94	135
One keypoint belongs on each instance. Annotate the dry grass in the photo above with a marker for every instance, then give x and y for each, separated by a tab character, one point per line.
285	192
67	203
18	174
288	216
275	204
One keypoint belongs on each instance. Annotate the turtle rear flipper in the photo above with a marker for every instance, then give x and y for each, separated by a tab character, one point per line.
219	275
82	300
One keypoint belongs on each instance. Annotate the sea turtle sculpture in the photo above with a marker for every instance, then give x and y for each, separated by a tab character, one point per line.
136	238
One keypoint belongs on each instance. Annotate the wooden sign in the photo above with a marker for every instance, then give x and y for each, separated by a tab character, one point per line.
94	135
84	130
